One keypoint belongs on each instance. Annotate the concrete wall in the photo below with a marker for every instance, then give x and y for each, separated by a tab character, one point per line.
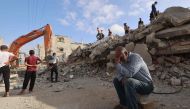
61	45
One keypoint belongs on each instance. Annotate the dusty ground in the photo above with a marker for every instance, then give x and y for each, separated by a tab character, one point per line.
81	93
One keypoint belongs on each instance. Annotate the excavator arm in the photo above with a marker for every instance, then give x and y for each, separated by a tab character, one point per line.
45	31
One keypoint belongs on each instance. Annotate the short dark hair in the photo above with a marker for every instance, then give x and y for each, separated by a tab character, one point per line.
4	47
155	2
31	52
54	54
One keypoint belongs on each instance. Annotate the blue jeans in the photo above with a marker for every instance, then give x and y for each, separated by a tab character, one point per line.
128	90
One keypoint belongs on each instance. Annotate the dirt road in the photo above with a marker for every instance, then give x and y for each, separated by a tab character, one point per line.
81	93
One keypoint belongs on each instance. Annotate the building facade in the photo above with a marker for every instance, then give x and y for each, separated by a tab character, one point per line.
61	45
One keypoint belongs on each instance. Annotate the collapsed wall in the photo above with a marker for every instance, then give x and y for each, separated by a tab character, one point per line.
164	45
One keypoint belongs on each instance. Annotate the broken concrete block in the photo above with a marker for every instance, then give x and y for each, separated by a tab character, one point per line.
160	60
98	50
167	64
176	70
112	52
152	51
173	59
162	44
156	27
111	55
150	38
186	67
130	46
176	48
177	15
163	76
138	36
110	65
71	76
175	82
143	51
174	32
152	67
151	28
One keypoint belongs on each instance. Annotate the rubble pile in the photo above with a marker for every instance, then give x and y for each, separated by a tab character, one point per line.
164	45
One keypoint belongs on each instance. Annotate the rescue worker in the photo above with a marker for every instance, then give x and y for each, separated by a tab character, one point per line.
132	78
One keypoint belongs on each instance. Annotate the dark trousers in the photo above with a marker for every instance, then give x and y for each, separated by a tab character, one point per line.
5	70
126	32
54	69
29	76
127	91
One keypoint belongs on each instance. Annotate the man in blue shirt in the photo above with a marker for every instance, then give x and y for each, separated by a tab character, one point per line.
132	77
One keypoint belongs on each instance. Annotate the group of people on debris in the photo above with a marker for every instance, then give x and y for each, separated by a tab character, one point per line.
100	35
153	15
31	63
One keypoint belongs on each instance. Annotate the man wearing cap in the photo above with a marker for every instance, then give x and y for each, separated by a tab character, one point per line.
132	78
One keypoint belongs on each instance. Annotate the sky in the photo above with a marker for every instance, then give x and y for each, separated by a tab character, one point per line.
77	19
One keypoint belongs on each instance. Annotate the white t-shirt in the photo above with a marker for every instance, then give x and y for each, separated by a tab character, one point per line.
54	60
4	57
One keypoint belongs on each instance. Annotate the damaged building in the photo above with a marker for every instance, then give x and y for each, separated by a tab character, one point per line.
61	45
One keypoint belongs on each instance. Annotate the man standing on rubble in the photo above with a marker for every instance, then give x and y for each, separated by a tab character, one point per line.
154	11
126	28
140	23
5	59
101	35
110	34
53	64
98	34
133	78
30	75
